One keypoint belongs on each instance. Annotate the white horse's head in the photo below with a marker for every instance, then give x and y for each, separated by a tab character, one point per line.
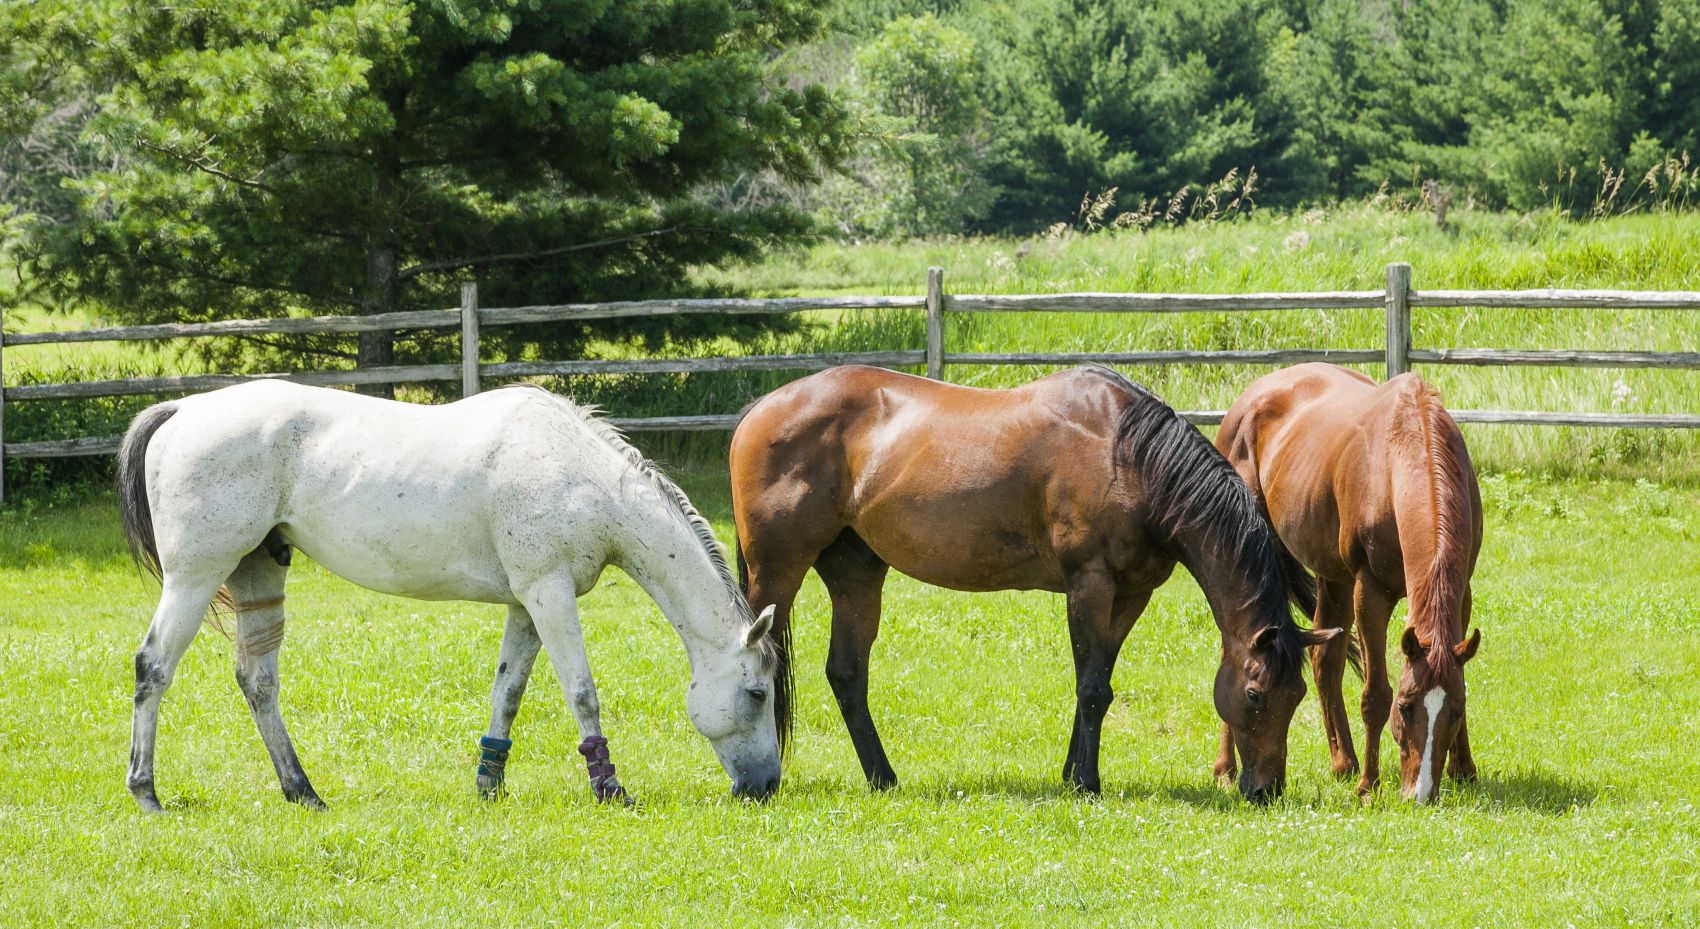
731	702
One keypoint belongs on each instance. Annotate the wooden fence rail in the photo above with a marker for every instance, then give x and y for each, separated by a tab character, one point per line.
1397	299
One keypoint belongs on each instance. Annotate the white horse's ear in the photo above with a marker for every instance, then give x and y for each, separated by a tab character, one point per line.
760	628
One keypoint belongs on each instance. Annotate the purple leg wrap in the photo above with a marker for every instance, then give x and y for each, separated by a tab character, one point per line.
602	781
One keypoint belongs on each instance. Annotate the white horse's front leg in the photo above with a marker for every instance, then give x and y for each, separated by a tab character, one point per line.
553	606
513	670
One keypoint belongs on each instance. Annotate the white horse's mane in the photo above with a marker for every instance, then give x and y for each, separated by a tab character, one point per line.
591	416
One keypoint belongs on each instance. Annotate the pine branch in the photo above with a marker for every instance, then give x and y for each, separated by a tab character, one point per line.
506	257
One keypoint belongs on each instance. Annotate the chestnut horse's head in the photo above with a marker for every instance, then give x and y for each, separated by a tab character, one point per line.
1429	710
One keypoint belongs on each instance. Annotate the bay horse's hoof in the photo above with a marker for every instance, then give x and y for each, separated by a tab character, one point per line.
1226	776
1366	789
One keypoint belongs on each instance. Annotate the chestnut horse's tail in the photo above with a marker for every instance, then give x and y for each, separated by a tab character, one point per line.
1434	477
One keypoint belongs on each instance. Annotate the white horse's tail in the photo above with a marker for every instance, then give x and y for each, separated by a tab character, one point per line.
133	485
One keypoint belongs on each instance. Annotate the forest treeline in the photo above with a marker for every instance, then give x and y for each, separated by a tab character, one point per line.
1003	115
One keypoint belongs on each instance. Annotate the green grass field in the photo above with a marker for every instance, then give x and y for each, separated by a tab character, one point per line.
1585	708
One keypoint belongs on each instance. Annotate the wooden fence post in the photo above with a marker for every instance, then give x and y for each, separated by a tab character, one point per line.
468	338
935	323
1398	319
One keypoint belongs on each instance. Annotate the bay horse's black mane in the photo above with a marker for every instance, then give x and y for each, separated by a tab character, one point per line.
1194	491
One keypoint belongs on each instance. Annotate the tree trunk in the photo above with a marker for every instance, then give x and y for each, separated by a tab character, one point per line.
377	349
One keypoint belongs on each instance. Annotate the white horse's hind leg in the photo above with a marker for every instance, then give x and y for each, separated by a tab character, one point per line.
513	669
257	588
553	606
183	603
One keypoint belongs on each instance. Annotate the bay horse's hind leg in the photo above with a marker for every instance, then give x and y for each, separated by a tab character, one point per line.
1328	666
513	669
855	577
256	588
1098	622
183	603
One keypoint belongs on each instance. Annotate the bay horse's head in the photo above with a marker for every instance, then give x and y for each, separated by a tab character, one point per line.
1258	687
731	702
1428	709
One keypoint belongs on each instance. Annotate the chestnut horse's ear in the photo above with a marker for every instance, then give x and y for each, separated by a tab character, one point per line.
760	628
1412	644
1314	637
1466	649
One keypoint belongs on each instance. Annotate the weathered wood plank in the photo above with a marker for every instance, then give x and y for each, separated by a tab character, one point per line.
731	306
65	448
1561	299
819	362
1160	303
1556	358
712	423
398	374
1249	356
1611	420
295	325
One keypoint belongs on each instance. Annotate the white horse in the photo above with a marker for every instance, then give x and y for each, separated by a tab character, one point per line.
515	497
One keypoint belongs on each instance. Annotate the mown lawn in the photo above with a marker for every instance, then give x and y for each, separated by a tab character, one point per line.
1585	709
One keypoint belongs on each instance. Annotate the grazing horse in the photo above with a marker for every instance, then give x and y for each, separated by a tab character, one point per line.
1081	483
1371	487
515	497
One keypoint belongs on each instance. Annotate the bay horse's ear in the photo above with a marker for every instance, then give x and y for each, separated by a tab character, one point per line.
760	628
1466	649
1412	645
1264	640
1314	637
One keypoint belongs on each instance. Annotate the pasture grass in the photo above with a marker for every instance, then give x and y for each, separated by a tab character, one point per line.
1585	708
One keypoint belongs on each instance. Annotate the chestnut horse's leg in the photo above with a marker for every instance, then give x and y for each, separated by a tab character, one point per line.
1373	609
1328	665
1098	623
854	577
1462	765
1225	769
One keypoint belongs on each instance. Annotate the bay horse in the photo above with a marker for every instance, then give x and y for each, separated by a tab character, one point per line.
515	497
1371	487
1081	483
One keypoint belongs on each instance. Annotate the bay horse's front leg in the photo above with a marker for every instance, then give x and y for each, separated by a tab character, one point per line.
513	669
553	606
1226	769
1098	623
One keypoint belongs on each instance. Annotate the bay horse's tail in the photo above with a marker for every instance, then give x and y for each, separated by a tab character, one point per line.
780	636
133	507
1435	475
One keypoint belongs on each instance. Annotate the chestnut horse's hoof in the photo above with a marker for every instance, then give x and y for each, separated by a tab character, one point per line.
1345	770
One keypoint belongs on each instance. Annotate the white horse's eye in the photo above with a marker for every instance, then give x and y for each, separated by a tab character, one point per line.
757	694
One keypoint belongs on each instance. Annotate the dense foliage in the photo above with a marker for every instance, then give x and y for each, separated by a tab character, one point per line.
340	156
1511	103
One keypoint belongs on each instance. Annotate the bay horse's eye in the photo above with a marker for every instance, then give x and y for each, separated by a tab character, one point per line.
757	694
1254	698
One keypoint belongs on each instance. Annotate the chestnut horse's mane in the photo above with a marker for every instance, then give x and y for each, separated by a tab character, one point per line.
1440	585
1194	490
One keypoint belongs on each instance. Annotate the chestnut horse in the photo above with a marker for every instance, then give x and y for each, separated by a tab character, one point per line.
1081	483
1371	487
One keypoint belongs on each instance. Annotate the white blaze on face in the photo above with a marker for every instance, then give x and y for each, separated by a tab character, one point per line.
1432	702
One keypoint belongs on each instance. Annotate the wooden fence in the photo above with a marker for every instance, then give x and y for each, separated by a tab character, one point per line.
1396	352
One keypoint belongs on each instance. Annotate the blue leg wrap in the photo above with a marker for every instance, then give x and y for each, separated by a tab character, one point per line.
493	759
